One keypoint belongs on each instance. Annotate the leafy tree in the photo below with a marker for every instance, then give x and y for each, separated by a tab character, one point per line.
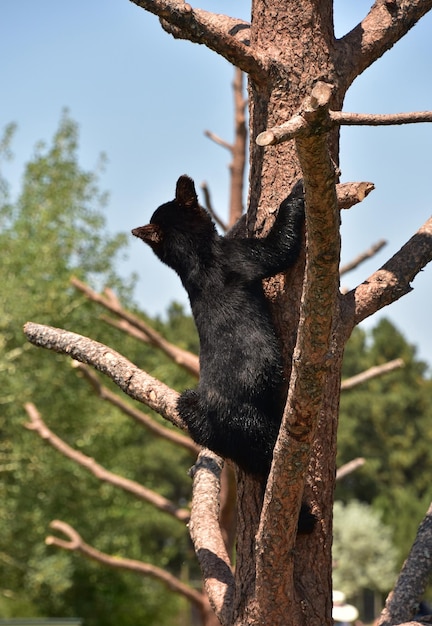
387	421
363	551
55	230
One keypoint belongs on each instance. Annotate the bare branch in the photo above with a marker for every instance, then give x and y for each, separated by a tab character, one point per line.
134	382
376	119
367	254
372	372
298	126
144	420
75	543
225	35
349	467
295	127
392	281
182	357
130	486
210	209
383	26
207	537
218	140
349	194
237	165
402	603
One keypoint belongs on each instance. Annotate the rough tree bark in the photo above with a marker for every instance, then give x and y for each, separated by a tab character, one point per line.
298	77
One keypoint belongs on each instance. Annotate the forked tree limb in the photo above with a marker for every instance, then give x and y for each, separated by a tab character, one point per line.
130	486
74	543
403	601
134	382
206	535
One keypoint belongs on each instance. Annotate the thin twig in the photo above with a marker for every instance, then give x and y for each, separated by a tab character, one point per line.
75	543
364	256
140	417
372	372
349	467
182	357
130	486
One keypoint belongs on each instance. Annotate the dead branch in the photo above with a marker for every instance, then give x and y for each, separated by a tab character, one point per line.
130	486
364	256
349	194
141	418
349	467
207	537
385	24
298	126
75	543
225	35
210	209
402	603
380	119
182	357
372	372
391	281
237	165
134	382
218	140
291	454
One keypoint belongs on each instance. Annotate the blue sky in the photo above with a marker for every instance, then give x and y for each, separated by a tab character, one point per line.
145	99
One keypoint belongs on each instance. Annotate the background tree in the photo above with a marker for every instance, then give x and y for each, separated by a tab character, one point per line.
288	48
53	230
360	538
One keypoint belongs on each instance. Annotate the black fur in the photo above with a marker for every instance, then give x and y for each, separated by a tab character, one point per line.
237	407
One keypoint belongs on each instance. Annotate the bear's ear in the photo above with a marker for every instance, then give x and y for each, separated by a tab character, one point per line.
185	192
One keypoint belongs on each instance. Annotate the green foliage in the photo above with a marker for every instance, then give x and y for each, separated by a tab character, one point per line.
388	421
56	229
363	553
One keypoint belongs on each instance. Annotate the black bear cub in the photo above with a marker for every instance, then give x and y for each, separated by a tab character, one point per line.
237	407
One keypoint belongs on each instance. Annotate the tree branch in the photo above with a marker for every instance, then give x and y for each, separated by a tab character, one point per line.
372	372
349	194
402	603
349	467
207	537
391	281
210	209
377	119
144	420
367	254
182	357
134	382
310	363
130	486
225	35
298	125
74	543
386	23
